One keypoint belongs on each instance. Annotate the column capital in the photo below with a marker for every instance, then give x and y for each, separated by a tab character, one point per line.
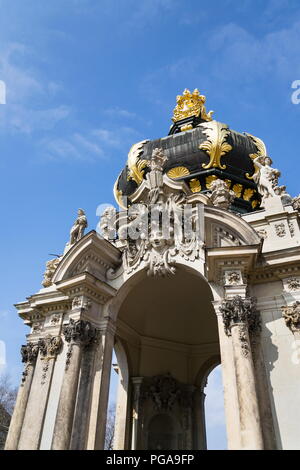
49	346
291	316
238	310
29	352
80	332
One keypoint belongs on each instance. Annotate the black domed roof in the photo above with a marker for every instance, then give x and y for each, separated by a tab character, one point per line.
199	150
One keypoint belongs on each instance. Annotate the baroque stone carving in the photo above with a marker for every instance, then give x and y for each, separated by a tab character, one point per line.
280	230
291	315
107	223
145	237
284	195
55	319
293	284
50	346
81	302
164	391
238	310
51	267
80	332
233	277
262	233
296	203
291	228
221	195
29	352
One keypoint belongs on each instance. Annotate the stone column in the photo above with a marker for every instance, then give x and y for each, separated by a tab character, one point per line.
29	354
78	334
101	382
229	384
33	422
262	389
237	314
199	420
136	381
83	404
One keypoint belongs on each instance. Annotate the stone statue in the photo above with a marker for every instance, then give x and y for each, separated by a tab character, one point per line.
51	266
267	177
78	228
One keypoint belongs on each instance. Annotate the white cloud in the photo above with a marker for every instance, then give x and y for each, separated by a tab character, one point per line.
94	144
23	88
119	112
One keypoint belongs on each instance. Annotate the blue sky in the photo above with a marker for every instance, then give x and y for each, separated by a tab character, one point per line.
86	79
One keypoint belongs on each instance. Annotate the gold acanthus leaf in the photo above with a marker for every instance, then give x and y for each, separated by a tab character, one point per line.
134	164
261	151
215	145
191	104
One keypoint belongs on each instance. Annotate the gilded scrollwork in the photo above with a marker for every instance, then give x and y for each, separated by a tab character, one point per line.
216	145
135	165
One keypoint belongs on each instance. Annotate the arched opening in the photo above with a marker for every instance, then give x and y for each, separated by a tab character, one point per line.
216	436
116	431
169	328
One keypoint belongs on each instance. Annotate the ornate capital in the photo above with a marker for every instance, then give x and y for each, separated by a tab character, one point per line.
80	331
50	346
240	311
29	352
291	315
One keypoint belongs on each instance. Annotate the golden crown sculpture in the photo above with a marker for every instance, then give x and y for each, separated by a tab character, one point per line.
191	104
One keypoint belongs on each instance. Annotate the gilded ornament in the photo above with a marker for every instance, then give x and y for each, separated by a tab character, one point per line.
186	127
209	179
248	193
238	188
254	204
135	165
191	104
215	145
118	195
178	172
195	185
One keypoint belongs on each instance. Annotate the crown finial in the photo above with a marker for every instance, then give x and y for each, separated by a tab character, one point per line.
191	104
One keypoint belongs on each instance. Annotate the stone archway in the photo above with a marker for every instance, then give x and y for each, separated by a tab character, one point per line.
169	328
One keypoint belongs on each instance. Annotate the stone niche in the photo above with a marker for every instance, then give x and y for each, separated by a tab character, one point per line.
165	413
